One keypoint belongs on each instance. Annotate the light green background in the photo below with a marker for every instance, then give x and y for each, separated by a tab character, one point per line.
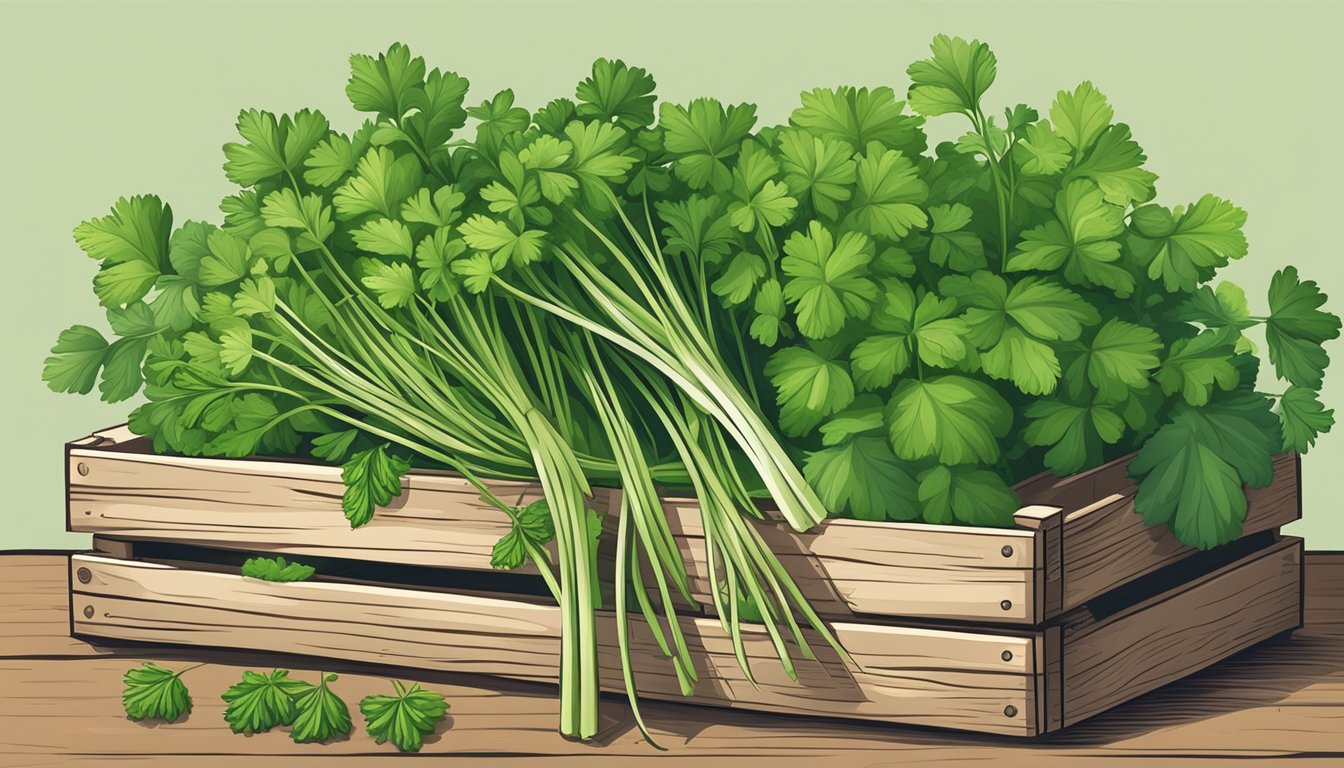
108	99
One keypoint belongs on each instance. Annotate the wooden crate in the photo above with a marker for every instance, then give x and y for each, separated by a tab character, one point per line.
1009	631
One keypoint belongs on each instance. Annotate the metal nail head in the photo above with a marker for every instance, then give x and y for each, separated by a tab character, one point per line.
88	611
1010	711
1006	605
1007	551
83	575
82	468
1007	655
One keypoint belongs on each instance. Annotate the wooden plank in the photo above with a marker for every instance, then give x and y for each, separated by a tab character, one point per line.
946	678
1180	631
1106	543
118	488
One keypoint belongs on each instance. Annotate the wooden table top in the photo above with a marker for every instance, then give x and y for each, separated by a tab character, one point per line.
1279	703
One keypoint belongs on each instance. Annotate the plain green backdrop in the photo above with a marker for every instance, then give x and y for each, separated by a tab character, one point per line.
103	99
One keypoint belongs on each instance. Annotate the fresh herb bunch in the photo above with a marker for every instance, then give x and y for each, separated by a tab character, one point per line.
612	291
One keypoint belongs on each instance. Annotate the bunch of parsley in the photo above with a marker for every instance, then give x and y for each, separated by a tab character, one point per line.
611	290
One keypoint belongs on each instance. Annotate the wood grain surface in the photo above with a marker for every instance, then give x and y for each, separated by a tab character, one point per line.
1280	703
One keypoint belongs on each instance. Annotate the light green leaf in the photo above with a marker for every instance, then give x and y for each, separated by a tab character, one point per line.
1081	115
1075	434
737	282
1079	239
809	387
385	237
820	171
389	85
1195	366
858	117
889	193
862	478
154	693
393	284
260	702
413	713
75	360
1205	237
322	716
1043	152
1119	359
966	495
382	181
952	418
1115	164
702	136
828	282
954	78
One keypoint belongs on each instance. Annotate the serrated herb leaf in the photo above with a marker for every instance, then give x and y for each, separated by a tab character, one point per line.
155	693
405	718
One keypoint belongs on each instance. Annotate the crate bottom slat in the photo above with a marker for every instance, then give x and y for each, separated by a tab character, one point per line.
991	680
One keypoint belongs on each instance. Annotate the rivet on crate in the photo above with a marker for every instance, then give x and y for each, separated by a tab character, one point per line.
83	575
1007	551
1006	605
88	611
1010	711
82	468
1007	655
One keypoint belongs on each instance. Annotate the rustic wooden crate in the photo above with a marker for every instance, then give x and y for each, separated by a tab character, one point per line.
1016	631
1077	538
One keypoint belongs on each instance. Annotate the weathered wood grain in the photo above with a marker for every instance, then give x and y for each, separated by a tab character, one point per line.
118	488
946	678
1278	704
1183	630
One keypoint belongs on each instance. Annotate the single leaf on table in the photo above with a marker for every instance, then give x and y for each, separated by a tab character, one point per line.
260	702
809	386
862	478
320	715
1297	328
155	693
404	719
966	495
952	418
372	479
1304	419
276	569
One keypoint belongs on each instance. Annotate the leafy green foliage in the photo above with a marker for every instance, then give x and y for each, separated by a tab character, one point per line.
155	693
276	569
320	715
260	702
531	524
372	479
405	718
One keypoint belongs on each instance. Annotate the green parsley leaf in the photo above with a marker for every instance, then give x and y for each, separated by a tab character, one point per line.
808	386
334	445
697	228
155	693
534	524
1192	469
1297	327
1115	165
950	245
260	702
819	171
1081	115
390	85
1204	238
737	282
1043	152
1119	359
616	94
385	237
888	196
954	78
276	569
382	181
321	715
1079	239
406	718
966	495
1304	419
953	418
1216	308
702	137
1195	366
274	147
393	284
1075	434
828	282
859	117
769	325
132	244
863	478
75	360
372	479
497	238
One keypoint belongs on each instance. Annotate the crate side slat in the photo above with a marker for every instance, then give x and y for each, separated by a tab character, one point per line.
1181	631
945	678
1107	544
